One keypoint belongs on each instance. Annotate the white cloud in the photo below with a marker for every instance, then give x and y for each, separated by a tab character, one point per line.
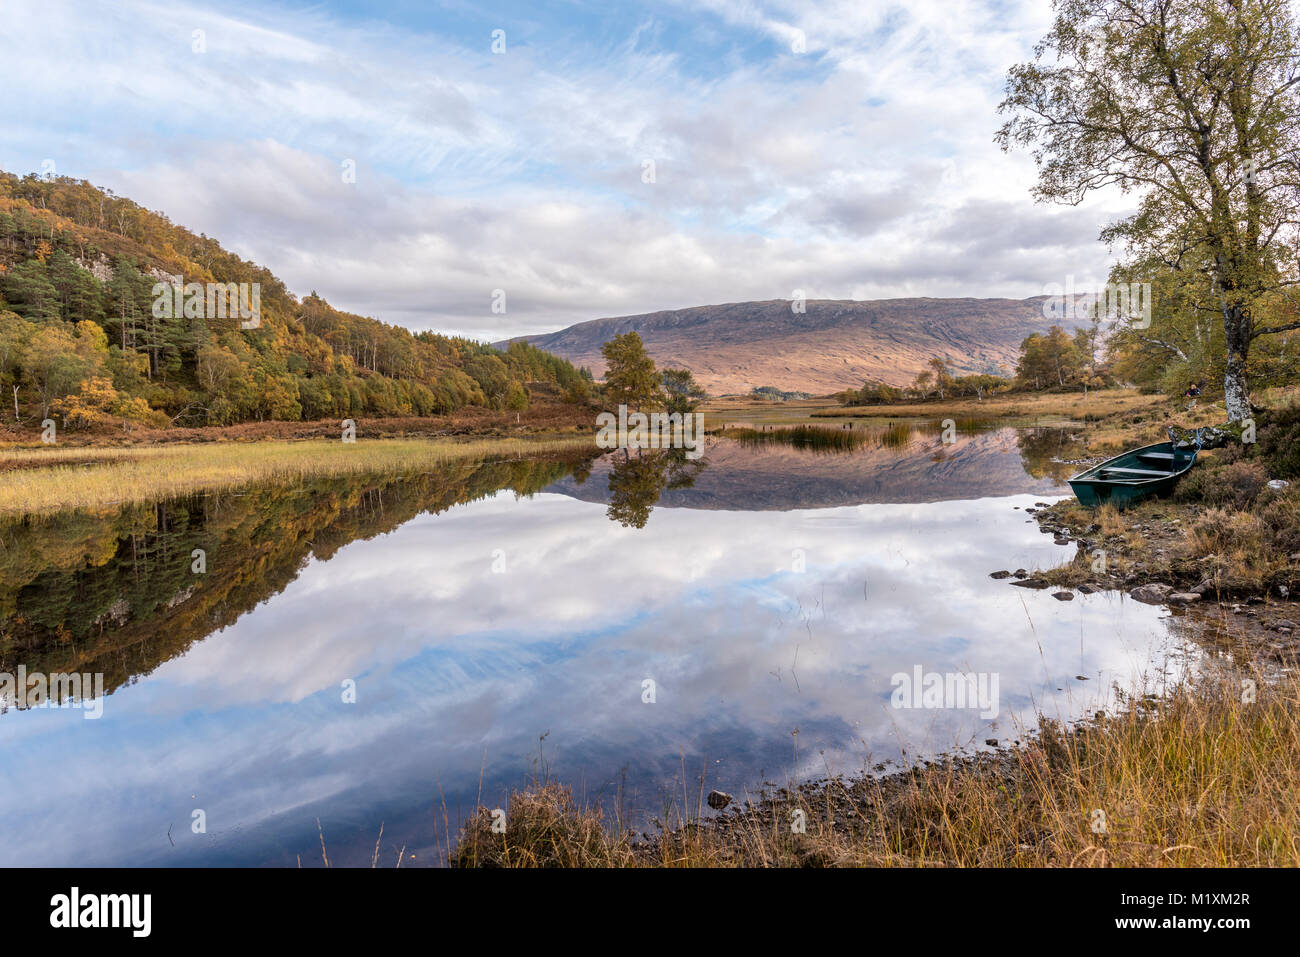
863	168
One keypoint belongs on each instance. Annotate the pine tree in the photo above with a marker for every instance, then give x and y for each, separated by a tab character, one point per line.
28	289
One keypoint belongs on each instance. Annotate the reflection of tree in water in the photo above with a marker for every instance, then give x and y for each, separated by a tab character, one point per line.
582	470
636	480
1050	453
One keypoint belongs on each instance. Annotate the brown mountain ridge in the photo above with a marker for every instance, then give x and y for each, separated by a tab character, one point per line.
835	344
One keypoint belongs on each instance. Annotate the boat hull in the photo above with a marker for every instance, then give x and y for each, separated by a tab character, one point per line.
1149	472
1094	494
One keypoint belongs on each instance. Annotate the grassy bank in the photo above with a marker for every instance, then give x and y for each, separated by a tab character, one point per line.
1103	421
1220	552
1207	777
1230	531
544	416
50	479
1020	406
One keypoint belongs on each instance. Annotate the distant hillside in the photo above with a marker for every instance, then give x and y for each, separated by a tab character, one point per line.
81	338
835	344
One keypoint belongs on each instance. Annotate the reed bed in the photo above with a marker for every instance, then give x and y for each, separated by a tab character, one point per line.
47	480
811	437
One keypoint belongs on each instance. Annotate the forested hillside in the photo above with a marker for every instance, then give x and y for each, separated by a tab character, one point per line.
81	341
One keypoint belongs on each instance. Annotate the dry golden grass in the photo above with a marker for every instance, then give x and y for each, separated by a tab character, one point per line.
543	828
45	480
1020	405
1227	532
1236	547
1110	520
1207	777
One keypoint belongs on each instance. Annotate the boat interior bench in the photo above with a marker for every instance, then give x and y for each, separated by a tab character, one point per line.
1144	473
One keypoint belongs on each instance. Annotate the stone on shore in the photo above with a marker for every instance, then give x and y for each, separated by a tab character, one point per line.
1152	594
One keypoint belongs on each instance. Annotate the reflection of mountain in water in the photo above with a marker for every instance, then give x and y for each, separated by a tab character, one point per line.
741	477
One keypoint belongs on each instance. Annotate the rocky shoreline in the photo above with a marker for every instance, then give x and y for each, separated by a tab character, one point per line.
1147	561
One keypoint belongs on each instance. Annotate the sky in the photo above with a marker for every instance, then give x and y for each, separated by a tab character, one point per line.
504	168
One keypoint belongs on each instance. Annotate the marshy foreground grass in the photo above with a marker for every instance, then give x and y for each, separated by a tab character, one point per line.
45	480
1208	776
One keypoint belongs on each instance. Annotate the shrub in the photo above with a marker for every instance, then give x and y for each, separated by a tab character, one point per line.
1279	443
1281	516
1235	485
1227	533
1232	452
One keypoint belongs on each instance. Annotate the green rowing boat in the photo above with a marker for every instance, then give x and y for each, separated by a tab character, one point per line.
1153	470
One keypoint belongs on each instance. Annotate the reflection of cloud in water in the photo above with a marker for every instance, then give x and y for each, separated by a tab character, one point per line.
454	661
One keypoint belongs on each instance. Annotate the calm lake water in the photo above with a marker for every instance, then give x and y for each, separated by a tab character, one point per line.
498	620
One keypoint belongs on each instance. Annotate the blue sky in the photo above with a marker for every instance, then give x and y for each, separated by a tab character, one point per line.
844	149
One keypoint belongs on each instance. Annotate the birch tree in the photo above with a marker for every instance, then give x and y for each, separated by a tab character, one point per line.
1192	106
